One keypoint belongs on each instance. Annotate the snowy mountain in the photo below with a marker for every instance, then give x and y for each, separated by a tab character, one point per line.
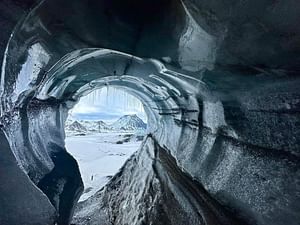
86	126
95	126
75	127
129	122
123	124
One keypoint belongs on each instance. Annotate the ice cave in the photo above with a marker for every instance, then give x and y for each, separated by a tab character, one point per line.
219	82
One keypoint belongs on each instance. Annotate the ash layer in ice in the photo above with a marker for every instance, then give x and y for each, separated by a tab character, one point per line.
219	82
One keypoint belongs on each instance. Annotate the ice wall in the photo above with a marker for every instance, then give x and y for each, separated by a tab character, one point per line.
219	83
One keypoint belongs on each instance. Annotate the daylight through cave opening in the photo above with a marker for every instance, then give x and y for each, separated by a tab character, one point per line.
102	131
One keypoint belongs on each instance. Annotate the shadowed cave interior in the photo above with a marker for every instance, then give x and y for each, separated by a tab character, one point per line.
219	83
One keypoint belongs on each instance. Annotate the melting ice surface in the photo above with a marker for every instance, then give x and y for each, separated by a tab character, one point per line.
37	57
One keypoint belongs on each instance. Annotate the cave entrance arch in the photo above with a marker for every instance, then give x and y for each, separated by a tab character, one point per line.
170	97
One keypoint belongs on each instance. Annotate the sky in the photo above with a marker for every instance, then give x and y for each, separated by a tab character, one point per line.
107	104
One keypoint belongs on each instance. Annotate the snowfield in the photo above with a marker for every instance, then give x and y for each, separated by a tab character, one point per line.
100	156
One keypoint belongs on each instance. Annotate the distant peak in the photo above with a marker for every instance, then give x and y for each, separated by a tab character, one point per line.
129	122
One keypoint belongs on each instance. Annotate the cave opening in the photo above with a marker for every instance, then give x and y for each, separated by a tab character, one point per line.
103	130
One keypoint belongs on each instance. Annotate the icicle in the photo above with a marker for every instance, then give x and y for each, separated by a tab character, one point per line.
111	100
107	90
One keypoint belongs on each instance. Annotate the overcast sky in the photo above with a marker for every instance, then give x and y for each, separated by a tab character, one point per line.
107	104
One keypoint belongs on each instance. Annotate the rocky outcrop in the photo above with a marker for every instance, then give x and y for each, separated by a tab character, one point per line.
163	195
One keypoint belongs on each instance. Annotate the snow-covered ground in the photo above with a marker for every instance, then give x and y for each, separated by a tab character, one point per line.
100	156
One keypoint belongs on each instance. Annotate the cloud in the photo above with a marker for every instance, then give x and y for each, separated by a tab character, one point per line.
108	105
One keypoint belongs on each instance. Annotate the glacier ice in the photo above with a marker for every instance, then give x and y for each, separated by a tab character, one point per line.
219	83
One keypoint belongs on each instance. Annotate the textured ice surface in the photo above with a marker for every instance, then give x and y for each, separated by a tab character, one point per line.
219	83
191	41
162	195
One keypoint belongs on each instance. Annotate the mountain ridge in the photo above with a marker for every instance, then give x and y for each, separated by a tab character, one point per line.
129	122
124	123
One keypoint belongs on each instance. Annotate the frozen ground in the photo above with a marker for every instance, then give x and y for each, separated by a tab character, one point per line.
100	156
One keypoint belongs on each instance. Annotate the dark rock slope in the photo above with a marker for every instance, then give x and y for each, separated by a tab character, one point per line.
164	195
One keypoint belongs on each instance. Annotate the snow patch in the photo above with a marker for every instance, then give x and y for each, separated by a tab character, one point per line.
100	157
